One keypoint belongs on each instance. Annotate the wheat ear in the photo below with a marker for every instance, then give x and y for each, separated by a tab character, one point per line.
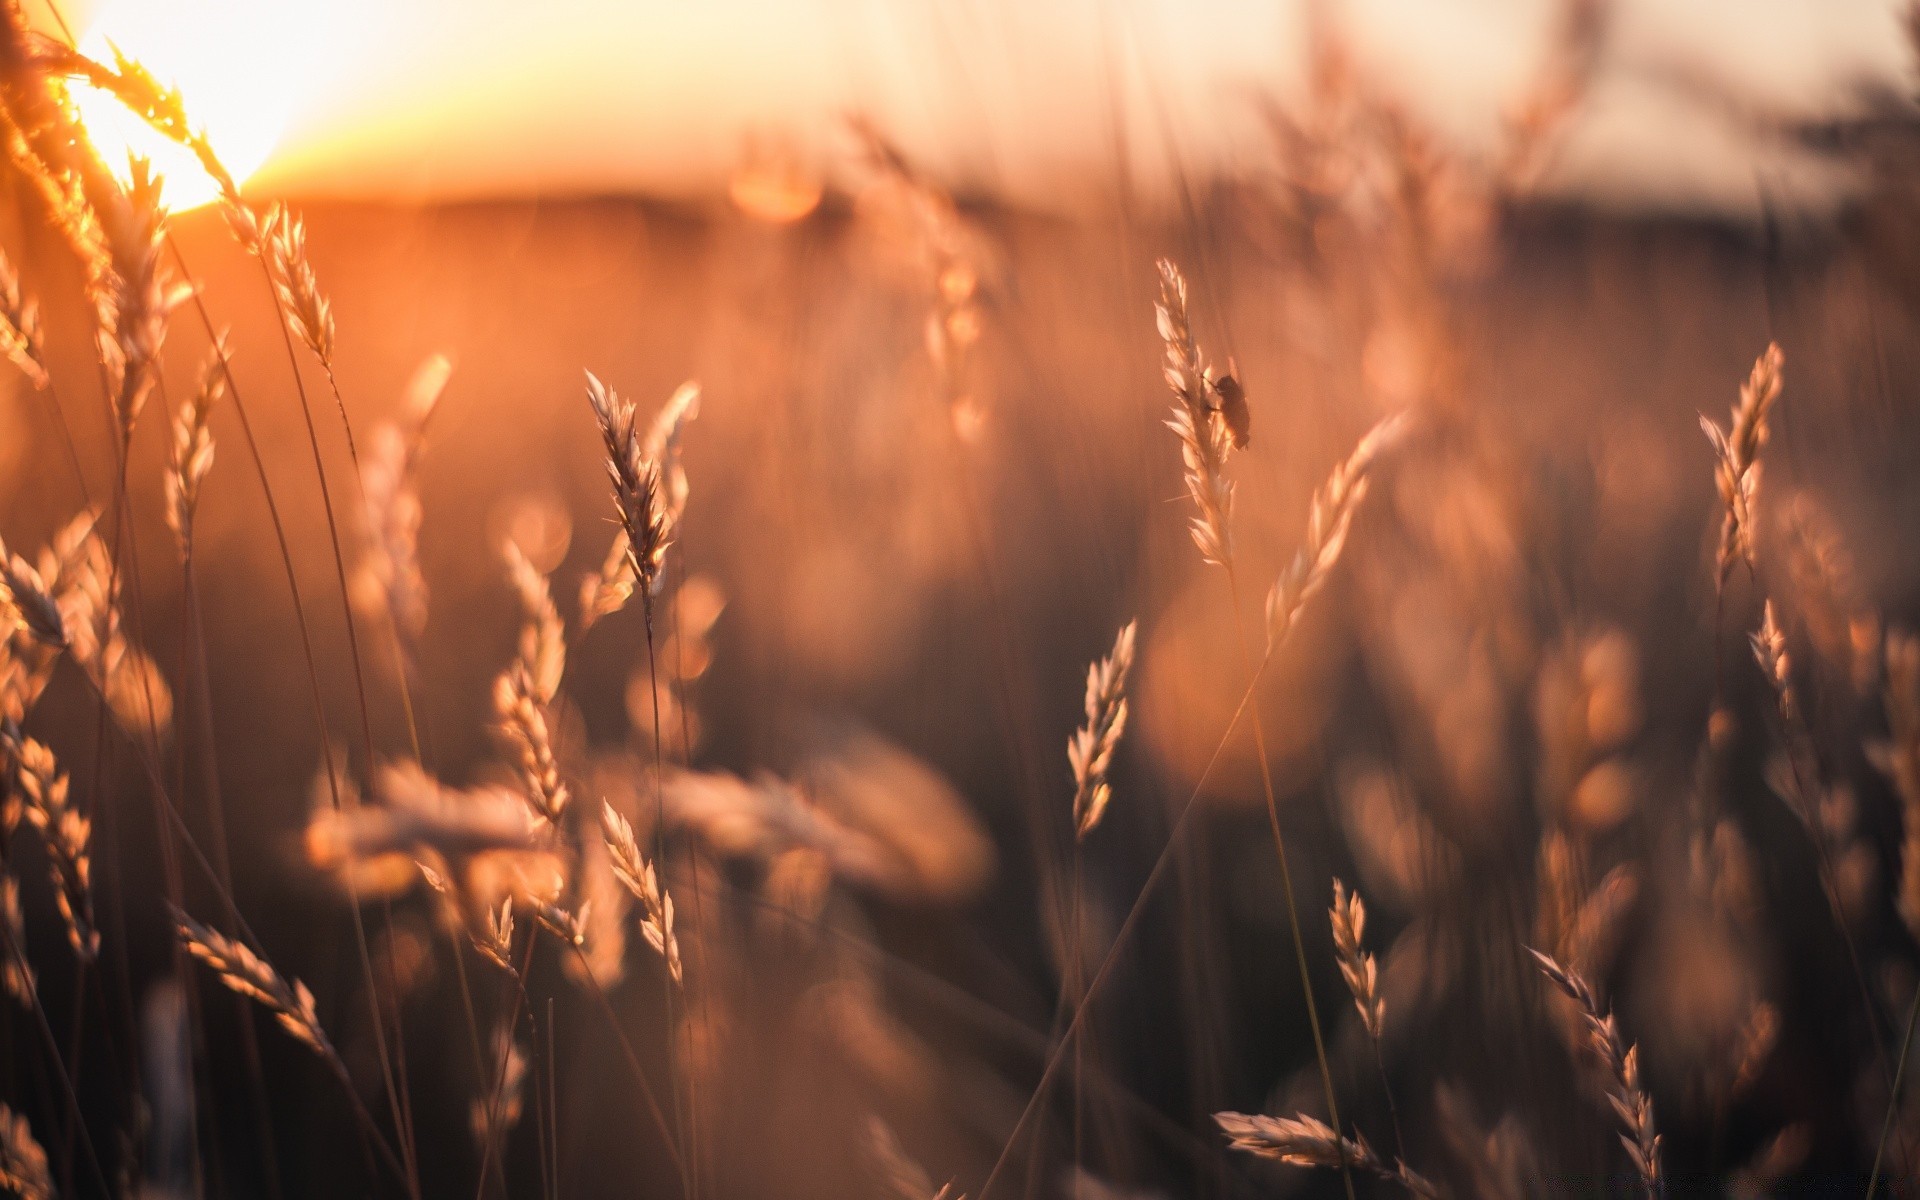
643	881
1305	1141
1737	453
1629	1100
1090	750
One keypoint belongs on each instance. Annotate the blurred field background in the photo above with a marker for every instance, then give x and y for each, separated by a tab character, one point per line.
900	554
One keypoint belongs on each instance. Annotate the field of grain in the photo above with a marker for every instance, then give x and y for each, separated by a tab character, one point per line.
1357	676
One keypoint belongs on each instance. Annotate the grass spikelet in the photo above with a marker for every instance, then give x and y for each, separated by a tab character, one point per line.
640	878
388	579
1328	520
191	451
23	1164
1629	1100
650	492
16	974
1770	651
1305	1141
67	835
523	692
1206	441
283	245
34	607
20	335
1349	918
1090	750
248	974
1737	453
136	295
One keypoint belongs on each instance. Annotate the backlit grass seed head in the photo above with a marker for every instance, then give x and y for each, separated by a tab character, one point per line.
44	797
20	336
523	692
34	607
1770	651
1090	750
1305	1141
16	974
1349	918
284	247
639	489
1328	520
190	456
1625	1094
247	973
23	1164
1206	440
134	295
643	881
1737	459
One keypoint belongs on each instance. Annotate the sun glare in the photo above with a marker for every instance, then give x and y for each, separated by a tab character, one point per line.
242	66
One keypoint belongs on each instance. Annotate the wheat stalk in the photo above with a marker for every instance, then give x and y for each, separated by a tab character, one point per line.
247	973
23	1164
1329	517
650	489
16	974
643	881
523	692
1090	750
1305	1141
190	455
67	836
20	335
1206	441
1357	967
1629	1100
1737	451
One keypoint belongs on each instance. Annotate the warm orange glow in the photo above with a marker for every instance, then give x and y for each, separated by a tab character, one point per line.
242	65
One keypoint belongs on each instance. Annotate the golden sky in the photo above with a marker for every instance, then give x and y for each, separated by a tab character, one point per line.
464	98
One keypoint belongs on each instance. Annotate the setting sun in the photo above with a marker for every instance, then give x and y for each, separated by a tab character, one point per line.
242	65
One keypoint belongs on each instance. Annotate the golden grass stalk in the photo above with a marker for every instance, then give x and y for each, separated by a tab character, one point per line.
20	334
283	246
648	484
388	578
34	608
247	973
523	692
650	487
67	836
640	878
23	1164
1357	967
135	295
1770	651
1629	1100
1737	451
1090	750
1206	441
1305	1141
1328	519
16	974
191	451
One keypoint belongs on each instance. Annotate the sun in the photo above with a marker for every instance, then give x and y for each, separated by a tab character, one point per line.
243	67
